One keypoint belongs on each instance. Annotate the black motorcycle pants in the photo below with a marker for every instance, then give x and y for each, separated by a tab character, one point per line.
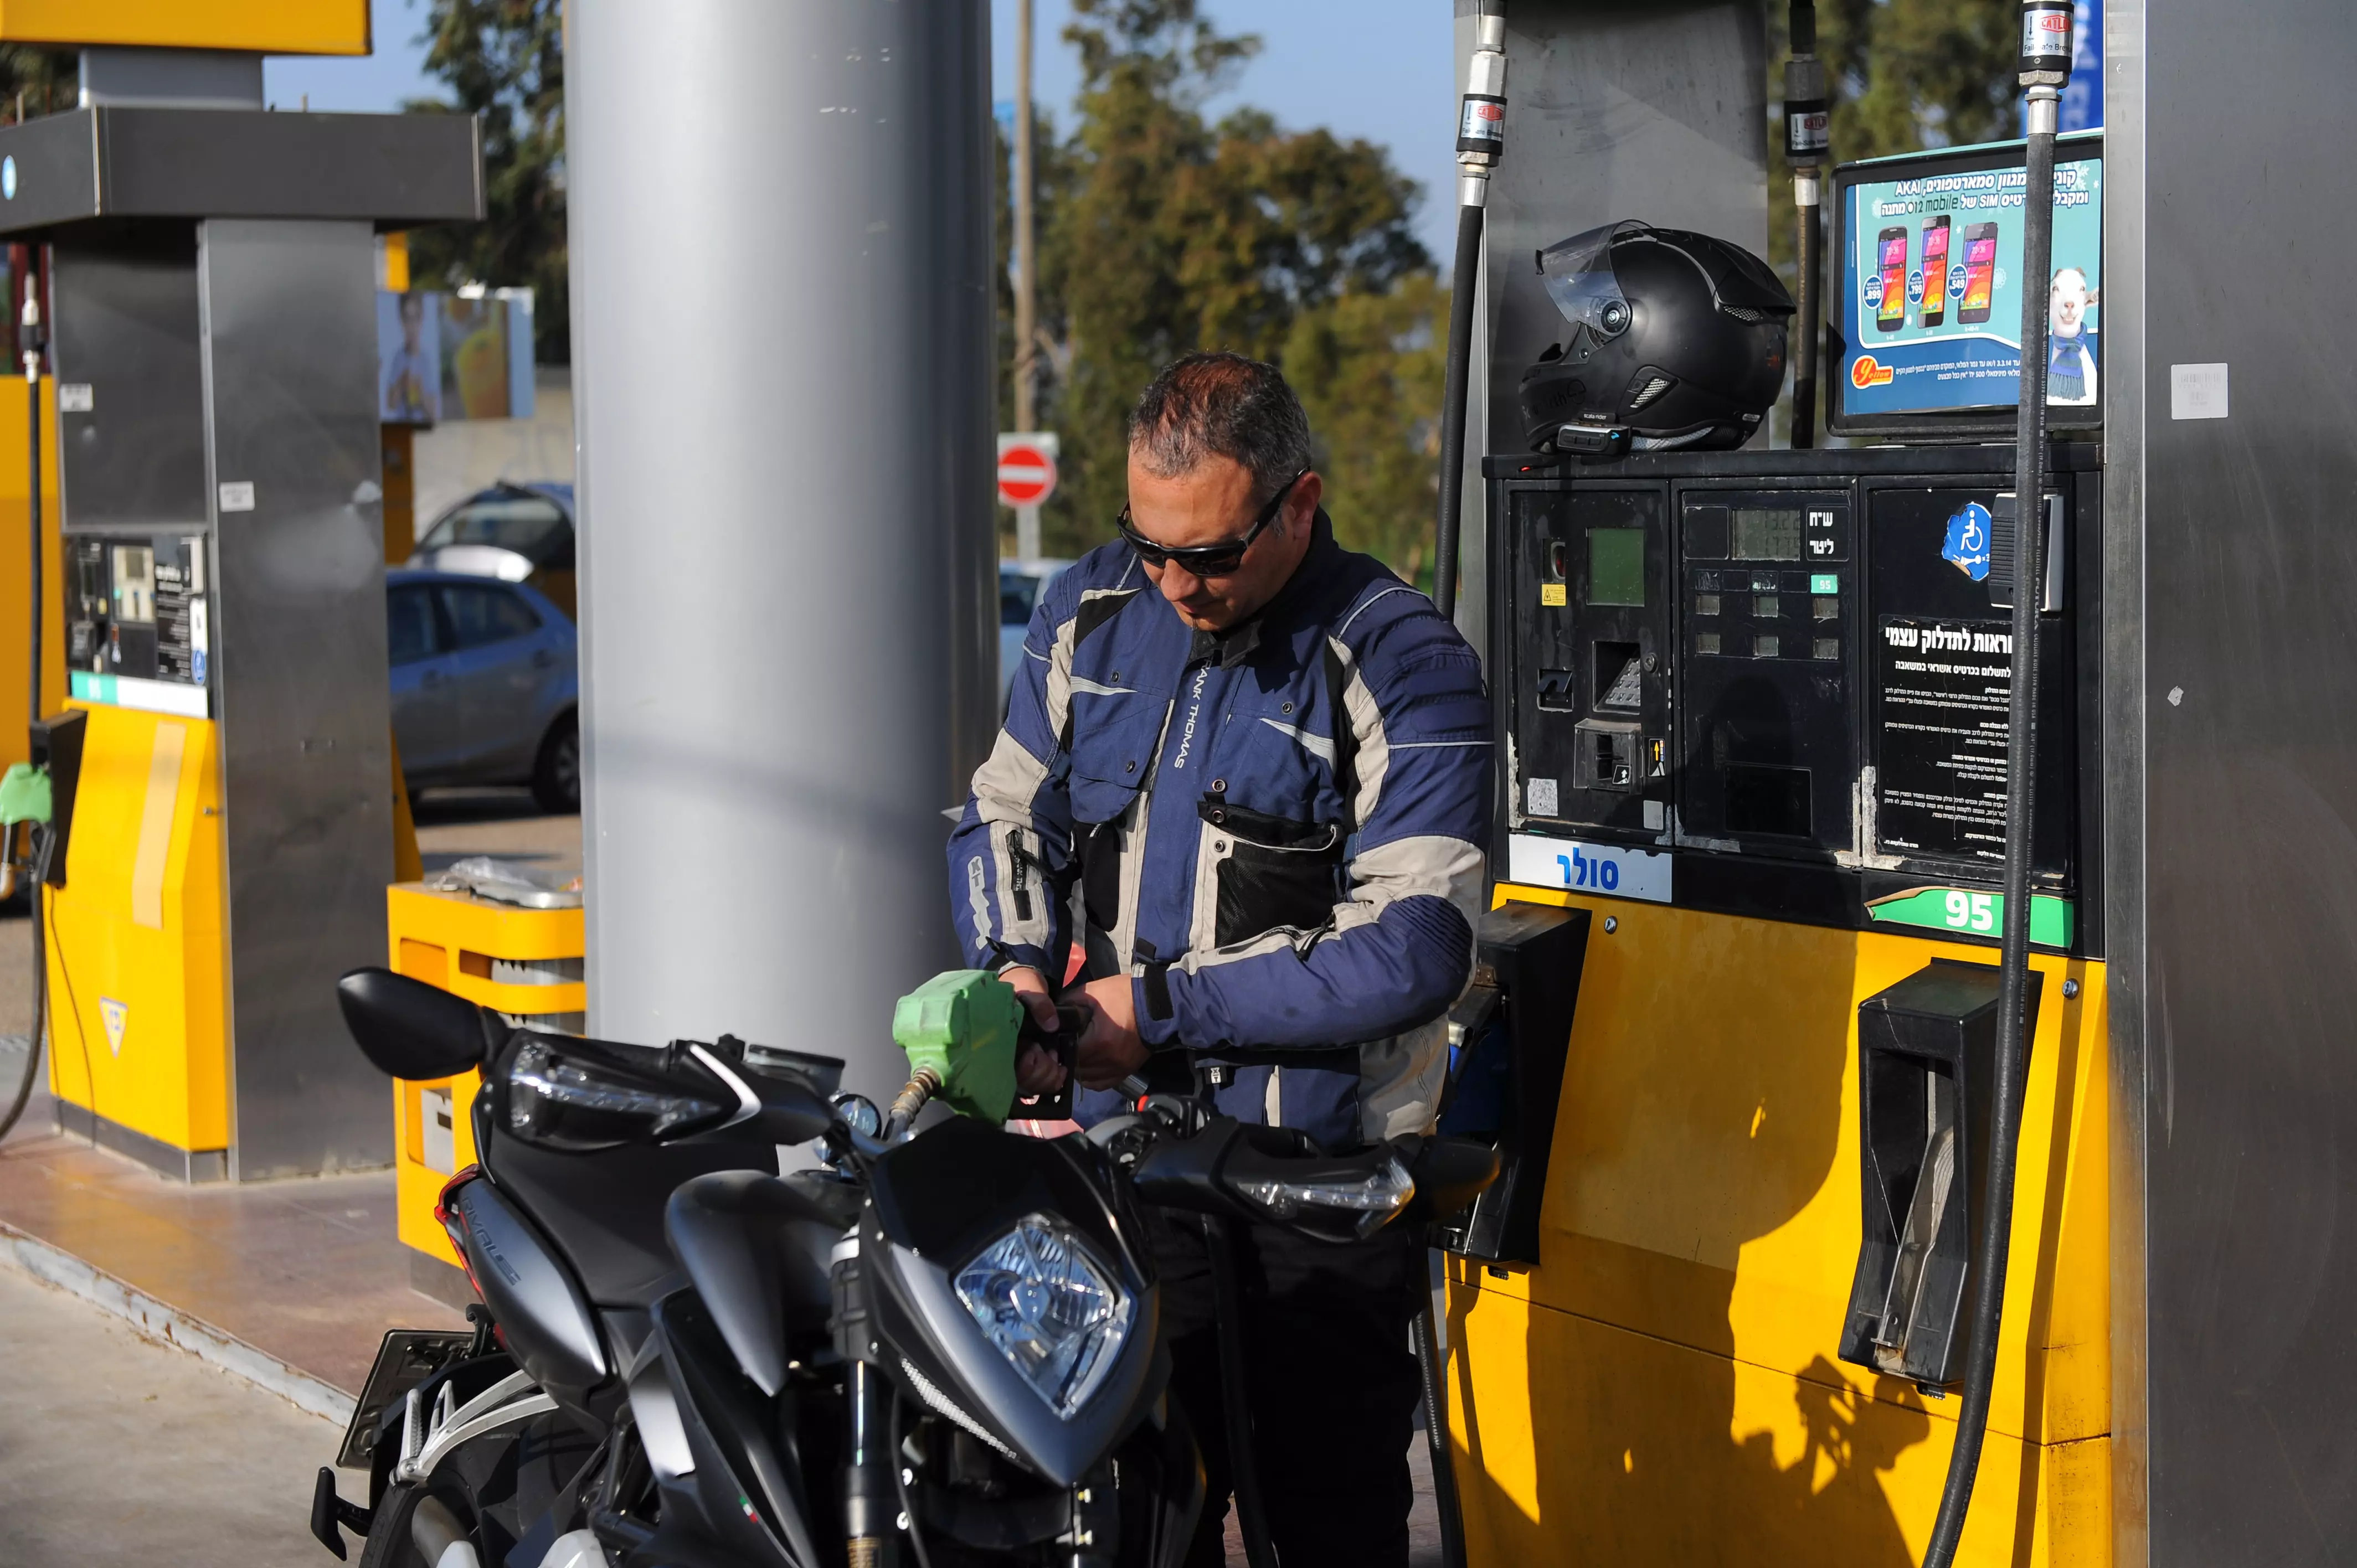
1331	1384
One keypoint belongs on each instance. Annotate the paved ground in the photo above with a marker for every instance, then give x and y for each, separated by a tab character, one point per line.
308	1270
116	1450
504	823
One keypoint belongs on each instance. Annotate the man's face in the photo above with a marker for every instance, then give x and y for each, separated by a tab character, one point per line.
1214	504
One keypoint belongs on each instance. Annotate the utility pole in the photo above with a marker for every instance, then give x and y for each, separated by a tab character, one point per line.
1026	272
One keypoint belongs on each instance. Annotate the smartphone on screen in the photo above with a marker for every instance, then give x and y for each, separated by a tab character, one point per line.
1891	313
1980	271
1935	270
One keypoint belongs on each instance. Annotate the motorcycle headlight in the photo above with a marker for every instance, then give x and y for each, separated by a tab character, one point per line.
1342	1207
1057	1314
564	1102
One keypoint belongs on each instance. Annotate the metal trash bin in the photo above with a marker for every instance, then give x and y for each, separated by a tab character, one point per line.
523	962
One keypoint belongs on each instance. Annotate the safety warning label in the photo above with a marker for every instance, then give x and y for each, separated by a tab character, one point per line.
1940	773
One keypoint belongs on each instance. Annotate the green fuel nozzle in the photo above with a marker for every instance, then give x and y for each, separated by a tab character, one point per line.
960	1028
24	795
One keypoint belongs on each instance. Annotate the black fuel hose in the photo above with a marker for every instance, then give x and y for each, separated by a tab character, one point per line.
1481	145
1806	121
31	338
2021	757
1461	285
1806	329
1431	1369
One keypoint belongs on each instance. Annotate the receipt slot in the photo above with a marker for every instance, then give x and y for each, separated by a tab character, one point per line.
1925	1054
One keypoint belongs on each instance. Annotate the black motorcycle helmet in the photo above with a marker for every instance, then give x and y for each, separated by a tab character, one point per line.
1677	340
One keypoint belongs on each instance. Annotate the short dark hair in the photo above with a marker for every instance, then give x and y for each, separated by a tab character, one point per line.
1202	405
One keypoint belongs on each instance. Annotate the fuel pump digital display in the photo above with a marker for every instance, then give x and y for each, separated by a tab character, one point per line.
1616	567
1769	533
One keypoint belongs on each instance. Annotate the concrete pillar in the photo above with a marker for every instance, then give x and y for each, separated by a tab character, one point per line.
782	340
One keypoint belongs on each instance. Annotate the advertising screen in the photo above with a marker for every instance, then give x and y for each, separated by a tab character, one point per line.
1930	287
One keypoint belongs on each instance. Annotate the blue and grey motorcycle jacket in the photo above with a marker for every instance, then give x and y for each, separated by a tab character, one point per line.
1278	832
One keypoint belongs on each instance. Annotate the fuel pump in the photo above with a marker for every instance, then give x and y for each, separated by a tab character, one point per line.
219	832
1803	736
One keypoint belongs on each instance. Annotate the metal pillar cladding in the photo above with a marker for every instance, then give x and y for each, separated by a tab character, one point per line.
290	361
783	307
2235	780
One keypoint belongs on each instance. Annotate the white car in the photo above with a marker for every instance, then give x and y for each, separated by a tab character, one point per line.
1020	584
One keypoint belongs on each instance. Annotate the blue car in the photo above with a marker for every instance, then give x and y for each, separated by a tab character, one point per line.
485	685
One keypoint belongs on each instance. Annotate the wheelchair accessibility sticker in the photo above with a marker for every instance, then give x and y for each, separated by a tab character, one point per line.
1582	867
1967	548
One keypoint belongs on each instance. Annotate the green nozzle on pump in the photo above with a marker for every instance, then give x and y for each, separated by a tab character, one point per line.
962	1025
24	795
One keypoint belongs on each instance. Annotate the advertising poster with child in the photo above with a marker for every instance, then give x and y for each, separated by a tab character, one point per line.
1932	310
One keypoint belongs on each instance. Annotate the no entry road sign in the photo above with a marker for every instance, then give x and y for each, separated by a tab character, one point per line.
1027	470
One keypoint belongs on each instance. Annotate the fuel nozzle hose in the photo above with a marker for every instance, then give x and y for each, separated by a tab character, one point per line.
2045	70
1480	144
922	1085
1807	124
30	344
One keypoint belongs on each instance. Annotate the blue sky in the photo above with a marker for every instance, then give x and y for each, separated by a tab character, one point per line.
1373	69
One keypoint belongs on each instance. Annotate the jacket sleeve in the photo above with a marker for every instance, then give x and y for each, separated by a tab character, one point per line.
1010	856
1400	950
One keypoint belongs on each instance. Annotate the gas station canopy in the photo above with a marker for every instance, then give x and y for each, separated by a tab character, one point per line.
259	26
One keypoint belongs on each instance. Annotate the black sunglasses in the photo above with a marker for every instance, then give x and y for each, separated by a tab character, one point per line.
1206	560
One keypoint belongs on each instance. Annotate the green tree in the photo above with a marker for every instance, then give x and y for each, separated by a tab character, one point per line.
1369	368
35	81
1171	233
503	61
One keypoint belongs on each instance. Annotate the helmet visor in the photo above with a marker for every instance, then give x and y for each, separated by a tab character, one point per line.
1579	275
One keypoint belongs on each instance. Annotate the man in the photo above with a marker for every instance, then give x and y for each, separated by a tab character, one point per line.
1248	771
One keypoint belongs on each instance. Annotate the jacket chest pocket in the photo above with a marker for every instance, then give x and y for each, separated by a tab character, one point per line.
1113	745
1272	871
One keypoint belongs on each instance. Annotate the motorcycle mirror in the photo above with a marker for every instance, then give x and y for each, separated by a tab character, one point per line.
1449	1174
413	1030
793	1111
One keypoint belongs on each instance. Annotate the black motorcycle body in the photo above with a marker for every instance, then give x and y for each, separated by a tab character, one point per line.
684	1336
947	1340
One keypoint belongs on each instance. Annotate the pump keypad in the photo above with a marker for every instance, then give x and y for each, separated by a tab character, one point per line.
1766	744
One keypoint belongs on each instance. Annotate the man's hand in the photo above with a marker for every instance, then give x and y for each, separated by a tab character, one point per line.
1037	1070
1110	1049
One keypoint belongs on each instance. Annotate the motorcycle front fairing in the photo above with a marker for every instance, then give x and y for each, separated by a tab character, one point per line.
954	1219
740	1475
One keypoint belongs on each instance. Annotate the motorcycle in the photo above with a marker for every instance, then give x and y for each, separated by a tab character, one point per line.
937	1344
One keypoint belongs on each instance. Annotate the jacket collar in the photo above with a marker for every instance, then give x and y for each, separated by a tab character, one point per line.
1230	648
